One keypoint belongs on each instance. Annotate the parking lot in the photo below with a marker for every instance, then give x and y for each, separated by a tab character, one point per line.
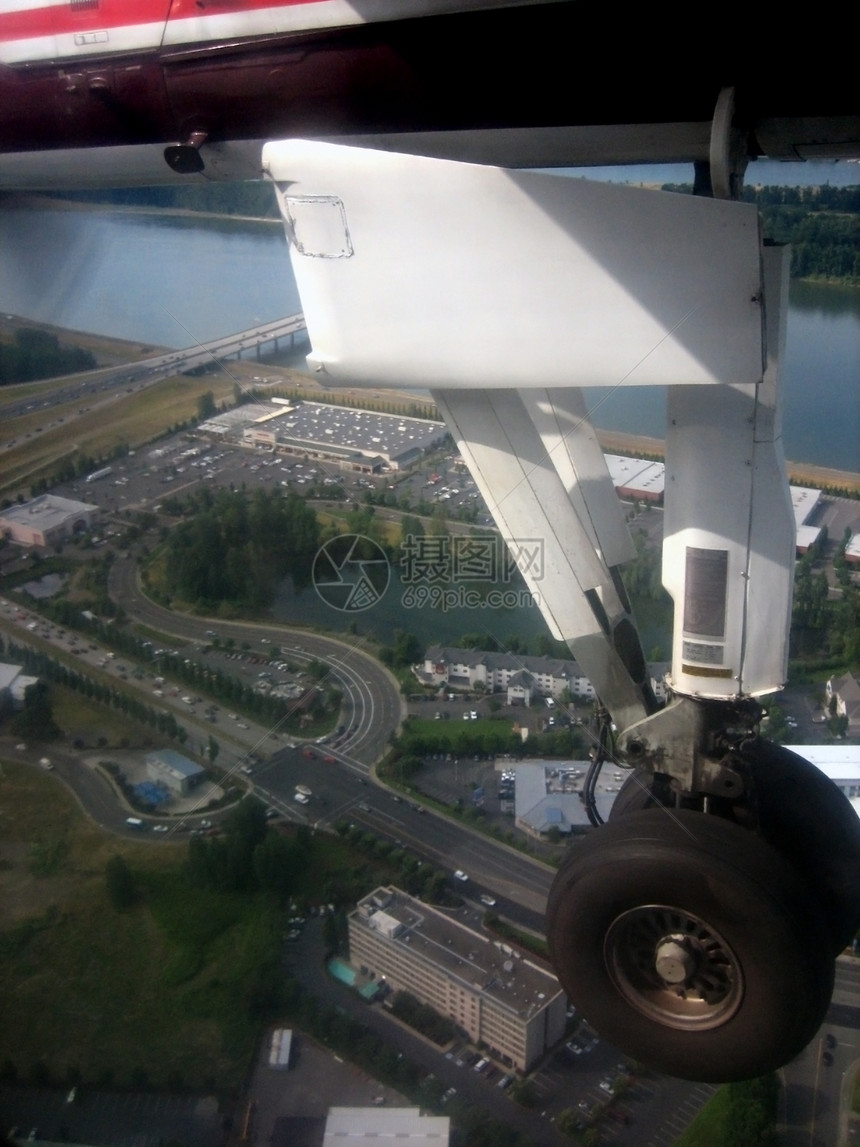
123	1119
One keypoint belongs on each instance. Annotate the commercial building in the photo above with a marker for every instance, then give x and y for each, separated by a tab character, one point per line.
46	520
844	694
640	480
178	773
637	478
499	998
394	1126
548	795
360	440
841	763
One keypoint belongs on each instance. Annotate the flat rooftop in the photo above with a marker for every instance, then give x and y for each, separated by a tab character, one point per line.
393	1125
46	511
321	425
481	964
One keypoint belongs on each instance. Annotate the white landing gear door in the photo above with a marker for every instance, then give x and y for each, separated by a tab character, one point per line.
427	273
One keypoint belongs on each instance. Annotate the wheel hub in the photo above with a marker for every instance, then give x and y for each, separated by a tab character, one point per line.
673	967
675	961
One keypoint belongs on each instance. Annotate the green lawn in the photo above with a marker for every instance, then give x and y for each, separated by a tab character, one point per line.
175	988
164	991
708	1128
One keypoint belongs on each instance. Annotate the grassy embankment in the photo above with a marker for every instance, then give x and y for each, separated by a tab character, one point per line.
125	420
708	1129
162	992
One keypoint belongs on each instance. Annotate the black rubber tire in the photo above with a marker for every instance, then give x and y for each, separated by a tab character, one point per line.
636	794
802	814
761	938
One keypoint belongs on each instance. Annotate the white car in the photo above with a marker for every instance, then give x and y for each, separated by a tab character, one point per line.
488	900
300	798
461	875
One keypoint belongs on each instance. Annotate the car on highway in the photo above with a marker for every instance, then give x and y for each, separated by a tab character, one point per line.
461	876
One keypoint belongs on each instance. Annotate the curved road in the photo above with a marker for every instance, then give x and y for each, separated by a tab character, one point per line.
521	881
373	691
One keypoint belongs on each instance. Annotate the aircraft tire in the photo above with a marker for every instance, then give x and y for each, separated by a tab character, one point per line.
690	944
637	793
803	815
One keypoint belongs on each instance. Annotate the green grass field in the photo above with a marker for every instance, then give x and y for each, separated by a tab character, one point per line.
172	990
161	992
708	1129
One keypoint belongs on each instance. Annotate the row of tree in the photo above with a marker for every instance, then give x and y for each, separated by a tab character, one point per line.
822	224
825	629
418	739
38	354
48	670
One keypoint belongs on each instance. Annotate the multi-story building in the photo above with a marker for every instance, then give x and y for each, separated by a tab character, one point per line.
502	1000
523	677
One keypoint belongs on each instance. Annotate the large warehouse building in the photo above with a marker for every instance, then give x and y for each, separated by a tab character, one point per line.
46	520
362	440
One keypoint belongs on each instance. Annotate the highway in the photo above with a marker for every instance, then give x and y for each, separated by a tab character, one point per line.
89	385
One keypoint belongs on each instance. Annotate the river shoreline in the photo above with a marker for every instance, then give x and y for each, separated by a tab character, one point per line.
799	473
111	350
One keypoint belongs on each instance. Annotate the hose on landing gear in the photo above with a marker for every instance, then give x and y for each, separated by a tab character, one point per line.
602	751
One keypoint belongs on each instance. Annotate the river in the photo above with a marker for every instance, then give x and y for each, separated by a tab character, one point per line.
173	281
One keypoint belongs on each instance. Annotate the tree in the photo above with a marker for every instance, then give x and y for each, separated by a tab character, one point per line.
525	1093
405	651
206	406
247	822
122	888
278	862
213	750
568	1121
751	1118
36	719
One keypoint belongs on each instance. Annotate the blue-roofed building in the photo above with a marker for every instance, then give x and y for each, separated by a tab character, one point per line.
549	796
178	773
